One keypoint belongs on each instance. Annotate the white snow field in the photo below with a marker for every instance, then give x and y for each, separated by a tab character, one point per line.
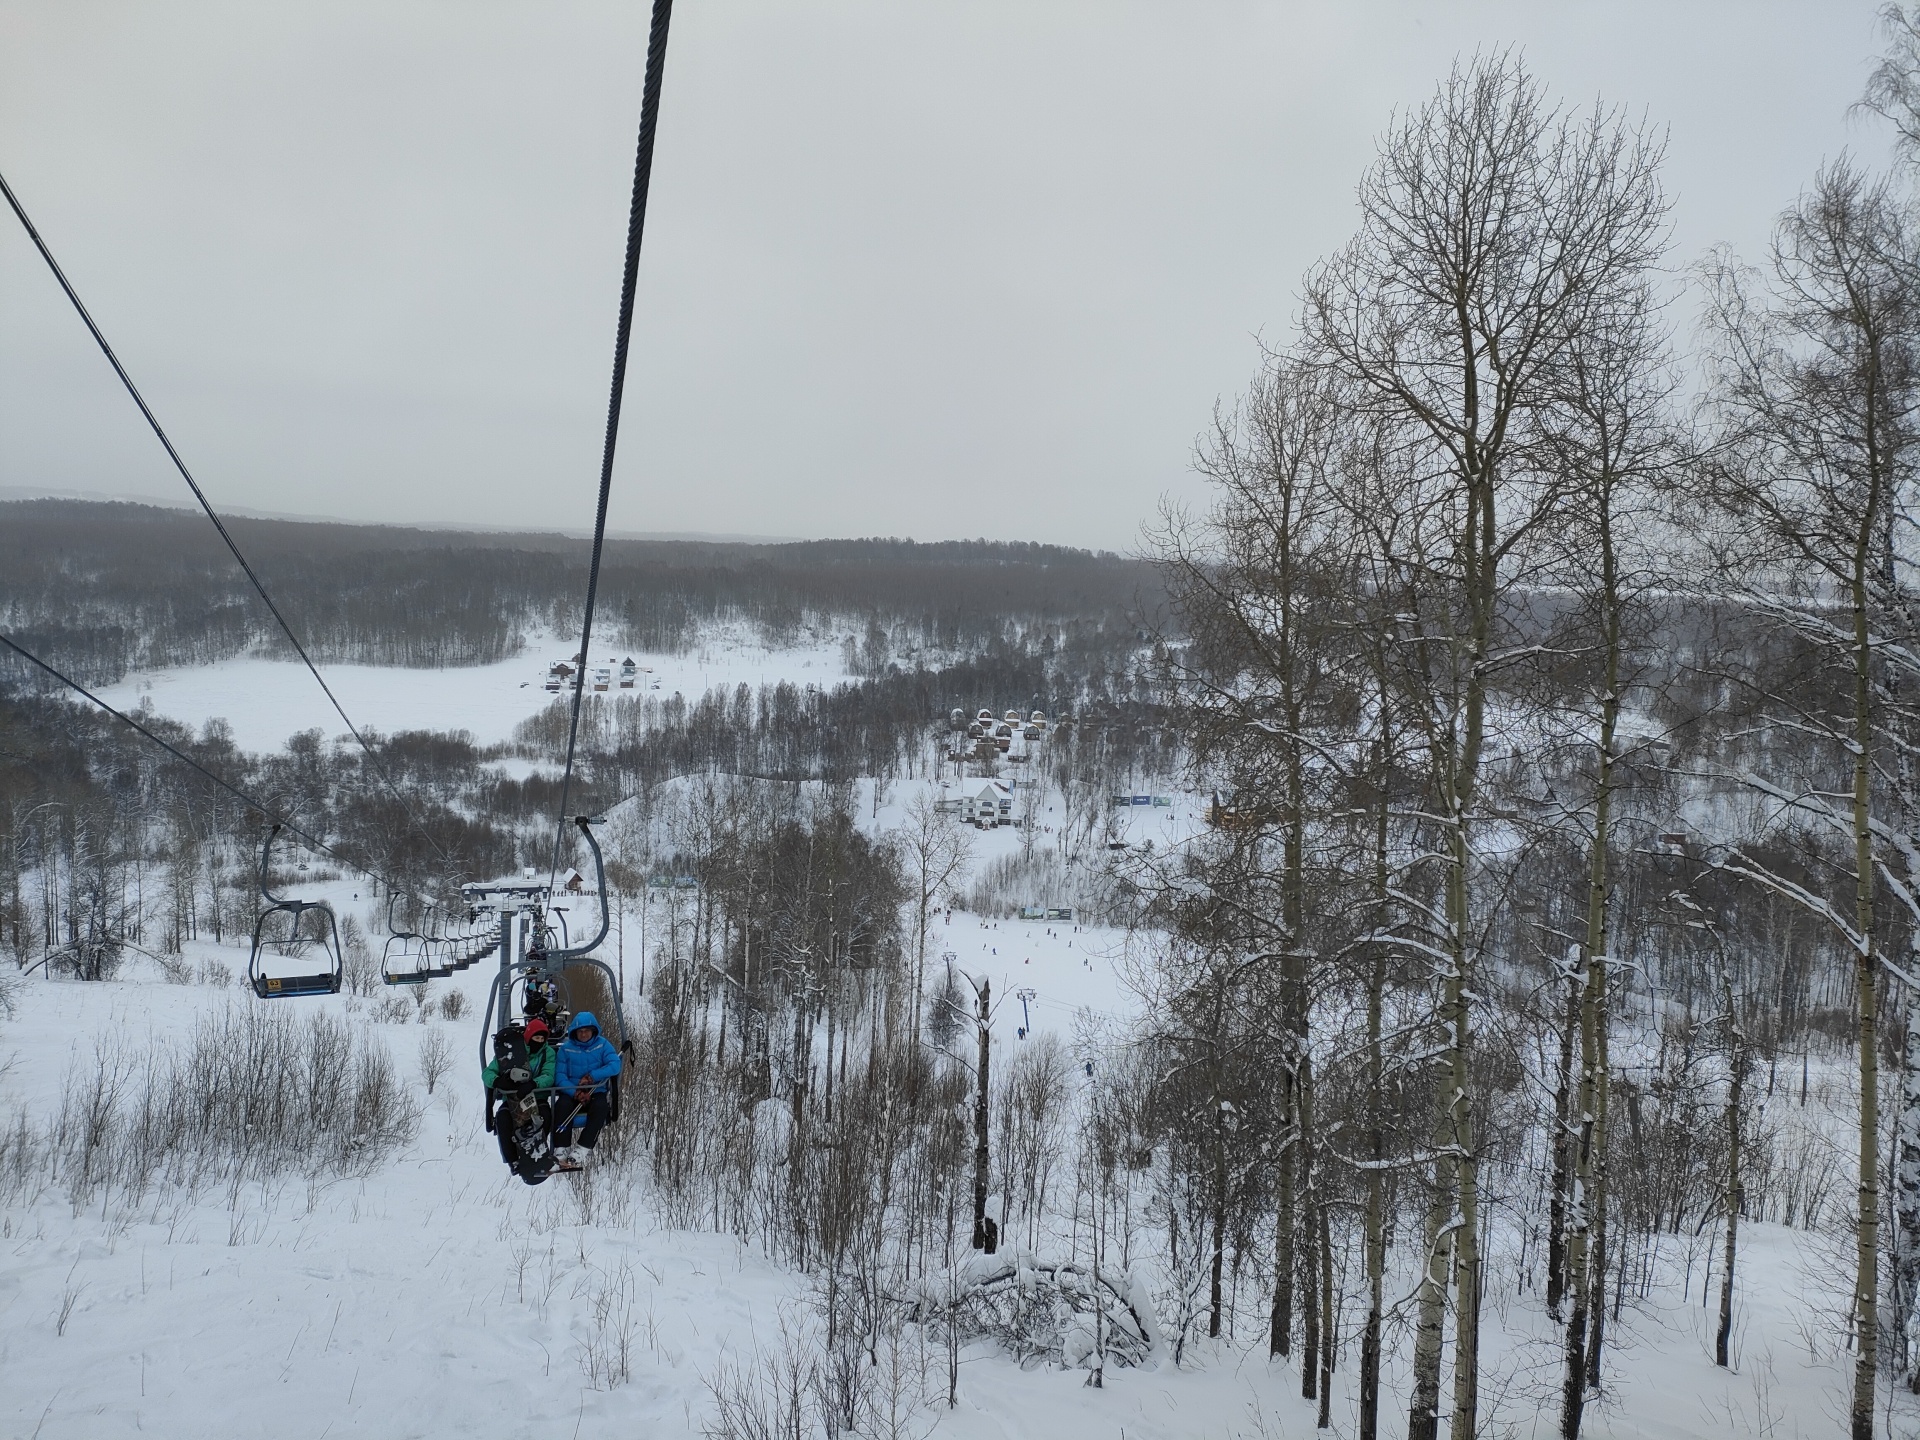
439	1297
265	701
436	1296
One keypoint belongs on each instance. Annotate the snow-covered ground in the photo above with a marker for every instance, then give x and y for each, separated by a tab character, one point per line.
265	701
438	1297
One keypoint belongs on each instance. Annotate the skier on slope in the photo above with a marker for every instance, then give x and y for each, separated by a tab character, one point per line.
586	1062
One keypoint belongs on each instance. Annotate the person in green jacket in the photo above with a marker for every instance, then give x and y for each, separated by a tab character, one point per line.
540	1066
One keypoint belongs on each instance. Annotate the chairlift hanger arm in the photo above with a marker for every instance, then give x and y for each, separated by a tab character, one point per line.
600	879
394	931
266	860
266	857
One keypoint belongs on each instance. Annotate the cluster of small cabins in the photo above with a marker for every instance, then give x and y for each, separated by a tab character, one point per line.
984	724
985	736
601	678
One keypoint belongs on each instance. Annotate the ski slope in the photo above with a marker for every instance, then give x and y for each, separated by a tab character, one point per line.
440	1298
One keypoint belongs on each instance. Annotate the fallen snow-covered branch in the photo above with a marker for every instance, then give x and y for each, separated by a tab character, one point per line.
1040	1309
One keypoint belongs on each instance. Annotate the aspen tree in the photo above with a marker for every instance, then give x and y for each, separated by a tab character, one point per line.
1253	583
1613	440
1495	231
1815	397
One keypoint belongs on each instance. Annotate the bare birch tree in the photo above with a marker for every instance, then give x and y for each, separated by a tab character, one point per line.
936	852
1496	231
1815	392
1613	439
1253	586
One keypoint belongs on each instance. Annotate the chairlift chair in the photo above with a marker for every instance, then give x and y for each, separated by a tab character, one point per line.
406	964
546	963
472	946
324	947
438	961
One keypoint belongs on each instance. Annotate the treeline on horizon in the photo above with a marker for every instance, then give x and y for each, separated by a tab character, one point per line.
102	588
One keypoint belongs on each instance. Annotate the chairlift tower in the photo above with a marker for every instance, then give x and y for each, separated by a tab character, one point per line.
519	907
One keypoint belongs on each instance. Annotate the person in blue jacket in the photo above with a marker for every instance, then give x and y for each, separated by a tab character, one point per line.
584	1064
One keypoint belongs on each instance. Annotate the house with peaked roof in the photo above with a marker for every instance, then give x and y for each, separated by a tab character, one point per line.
986	805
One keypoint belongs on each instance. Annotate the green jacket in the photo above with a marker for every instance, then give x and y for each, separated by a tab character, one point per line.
539	1060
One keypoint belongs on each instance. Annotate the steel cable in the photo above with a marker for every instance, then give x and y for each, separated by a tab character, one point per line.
179	464
636	226
282	821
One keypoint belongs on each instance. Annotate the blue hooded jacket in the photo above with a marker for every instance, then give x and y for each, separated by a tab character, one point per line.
596	1061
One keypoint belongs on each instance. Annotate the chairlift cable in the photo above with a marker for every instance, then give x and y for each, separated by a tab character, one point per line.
636	226
179	464
282	821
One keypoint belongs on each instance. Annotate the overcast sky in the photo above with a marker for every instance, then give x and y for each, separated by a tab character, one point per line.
933	268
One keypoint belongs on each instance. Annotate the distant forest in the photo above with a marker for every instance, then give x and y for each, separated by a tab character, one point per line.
101	589
104	588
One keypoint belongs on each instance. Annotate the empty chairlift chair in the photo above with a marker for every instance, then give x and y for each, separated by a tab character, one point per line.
470	947
440	957
414	959
297	939
405	960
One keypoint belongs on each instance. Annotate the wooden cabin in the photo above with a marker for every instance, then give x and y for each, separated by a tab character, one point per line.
1227	811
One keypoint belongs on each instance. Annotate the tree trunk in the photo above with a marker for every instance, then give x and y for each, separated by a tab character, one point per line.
1423	1406
1867	987
1280	1330
797	1144
1586	1296
984	1237
1324	1418
1466	1242
827	1089
1294	984
1376	1205
1218	1239
1587	1136
1597	1221
1906	1202
919	980
1097	1377
1309	1189
1734	1196
1376	1208
1563	1143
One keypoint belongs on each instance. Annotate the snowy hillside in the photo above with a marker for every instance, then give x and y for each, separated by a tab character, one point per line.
435	1296
1431	947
